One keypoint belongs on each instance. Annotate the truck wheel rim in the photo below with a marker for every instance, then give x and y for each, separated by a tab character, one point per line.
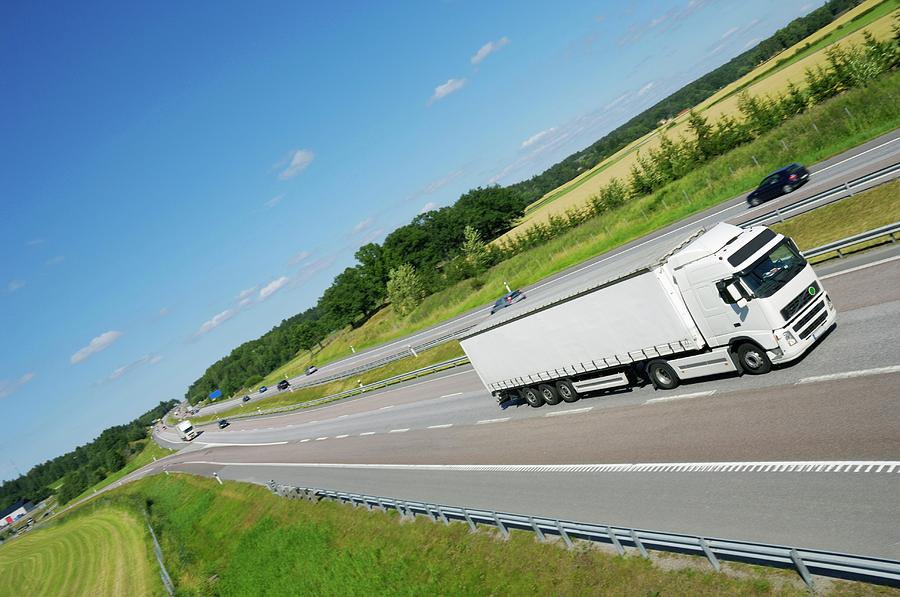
753	359
564	390
662	376
548	395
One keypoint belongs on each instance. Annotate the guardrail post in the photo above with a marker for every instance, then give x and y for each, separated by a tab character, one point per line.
472	527
709	554
801	568
778	213
501	526
564	534
537	529
443	516
615	541
638	544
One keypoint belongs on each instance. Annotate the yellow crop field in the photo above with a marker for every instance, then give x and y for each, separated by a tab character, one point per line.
769	78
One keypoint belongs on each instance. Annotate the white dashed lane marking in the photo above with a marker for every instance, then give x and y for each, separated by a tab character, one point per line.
444	426
851	374
399	430
487	421
574	411
680	397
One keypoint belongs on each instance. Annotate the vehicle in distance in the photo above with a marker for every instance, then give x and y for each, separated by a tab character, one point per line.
223	423
311	369
262	389
725	300
507	299
284	384
246	398
778	183
186	430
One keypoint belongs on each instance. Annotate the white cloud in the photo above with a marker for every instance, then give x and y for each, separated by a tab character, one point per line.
55	260
617	101
362	226
101	342
144	360
645	89
730	32
442	91
216	321
301	256
272	287
311	268
246	293
7	388
751	43
163	312
536	137
297	161
35	242
488	49
274	201
428	207
15	285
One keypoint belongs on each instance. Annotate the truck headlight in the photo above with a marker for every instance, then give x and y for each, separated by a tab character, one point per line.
791	340
828	300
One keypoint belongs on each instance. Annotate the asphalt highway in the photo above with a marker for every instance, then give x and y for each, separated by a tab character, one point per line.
444	440
866	158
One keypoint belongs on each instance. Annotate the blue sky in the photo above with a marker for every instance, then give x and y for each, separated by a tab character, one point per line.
177	178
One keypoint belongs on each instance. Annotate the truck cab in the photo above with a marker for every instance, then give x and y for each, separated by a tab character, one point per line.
187	431
752	286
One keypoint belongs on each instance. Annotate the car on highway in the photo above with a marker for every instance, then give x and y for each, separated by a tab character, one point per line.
507	299
311	369
284	384
778	183
223	423
245	399
262	389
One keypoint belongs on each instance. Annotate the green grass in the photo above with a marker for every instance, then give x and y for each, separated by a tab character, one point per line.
871	209
438	354
149	451
239	539
874	109
100	551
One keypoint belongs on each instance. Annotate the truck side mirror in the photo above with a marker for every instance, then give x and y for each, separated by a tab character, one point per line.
731	292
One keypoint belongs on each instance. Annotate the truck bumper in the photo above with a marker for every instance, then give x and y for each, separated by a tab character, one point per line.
794	340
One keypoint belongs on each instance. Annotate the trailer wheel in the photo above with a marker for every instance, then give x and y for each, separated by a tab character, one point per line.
753	359
549	393
567	391
662	375
532	397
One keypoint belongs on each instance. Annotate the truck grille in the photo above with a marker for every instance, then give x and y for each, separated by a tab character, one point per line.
816	323
800	301
812	313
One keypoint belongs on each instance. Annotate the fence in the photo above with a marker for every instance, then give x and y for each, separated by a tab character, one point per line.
805	561
839	245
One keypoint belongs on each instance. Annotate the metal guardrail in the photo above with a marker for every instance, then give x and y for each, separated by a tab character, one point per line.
825	197
805	561
361	389
839	245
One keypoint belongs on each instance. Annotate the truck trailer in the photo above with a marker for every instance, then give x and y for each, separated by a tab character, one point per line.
726	300
187	431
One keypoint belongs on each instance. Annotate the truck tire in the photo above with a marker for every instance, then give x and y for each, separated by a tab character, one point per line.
533	397
662	375
753	359
549	393
567	391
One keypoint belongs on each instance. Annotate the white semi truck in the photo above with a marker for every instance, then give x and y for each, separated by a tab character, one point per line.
725	300
187	431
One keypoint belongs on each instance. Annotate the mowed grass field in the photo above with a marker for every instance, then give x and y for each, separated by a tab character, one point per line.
769	78
94	553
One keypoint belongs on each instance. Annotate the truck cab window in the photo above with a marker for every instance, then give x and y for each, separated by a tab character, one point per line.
775	269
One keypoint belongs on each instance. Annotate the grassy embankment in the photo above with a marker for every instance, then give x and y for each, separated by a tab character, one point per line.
871	209
875	110
98	551
239	539
438	354
149	451
769	78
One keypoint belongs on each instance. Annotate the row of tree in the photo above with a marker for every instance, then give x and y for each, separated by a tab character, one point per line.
429	253
85	465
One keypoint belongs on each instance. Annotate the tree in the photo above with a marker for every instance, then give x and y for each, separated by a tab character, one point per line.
404	289
474	249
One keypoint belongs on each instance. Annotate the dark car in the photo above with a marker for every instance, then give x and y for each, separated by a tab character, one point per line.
223	423
262	389
245	399
778	183
284	384
311	369
507	299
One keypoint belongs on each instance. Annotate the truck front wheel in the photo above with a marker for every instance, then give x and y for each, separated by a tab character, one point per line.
753	359
533	397
662	375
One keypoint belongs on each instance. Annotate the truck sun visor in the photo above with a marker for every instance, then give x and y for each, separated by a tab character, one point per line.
757	243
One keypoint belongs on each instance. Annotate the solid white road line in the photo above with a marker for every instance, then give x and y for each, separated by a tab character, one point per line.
853	157
444	426
859	267
404	430
451	395
569	412
219	445
488	421
367	433
680	397
851	374
796	466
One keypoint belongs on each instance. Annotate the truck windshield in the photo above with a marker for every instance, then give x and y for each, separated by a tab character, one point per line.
768	275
